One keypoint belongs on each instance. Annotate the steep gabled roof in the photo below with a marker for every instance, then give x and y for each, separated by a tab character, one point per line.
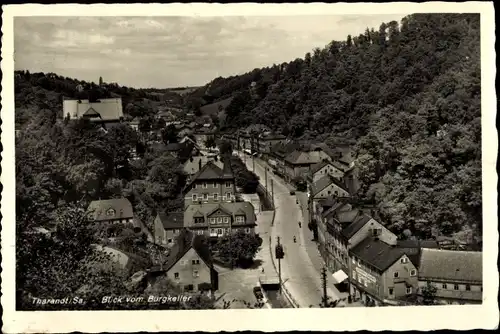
451	265
183	243
121	206
324	182
355	226
172	220
221	208
317	167
299	157
377	253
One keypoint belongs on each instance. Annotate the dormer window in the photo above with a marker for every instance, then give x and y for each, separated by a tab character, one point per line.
228	184
205	185
240	219
110	212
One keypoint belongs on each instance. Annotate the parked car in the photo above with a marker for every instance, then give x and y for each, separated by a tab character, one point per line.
258	293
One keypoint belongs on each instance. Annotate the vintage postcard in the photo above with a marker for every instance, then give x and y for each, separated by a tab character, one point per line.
209	167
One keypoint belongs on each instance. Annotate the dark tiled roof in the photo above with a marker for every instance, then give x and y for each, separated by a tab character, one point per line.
211	172
318	166
451	265
183	243
173	147
121	206
355	226
232	208
324	182
172	220
418	243
377	253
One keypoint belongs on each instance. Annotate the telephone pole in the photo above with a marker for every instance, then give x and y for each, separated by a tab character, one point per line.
323	281
272	193
279	255
265	176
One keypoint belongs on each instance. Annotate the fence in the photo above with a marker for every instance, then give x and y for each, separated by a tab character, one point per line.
267	202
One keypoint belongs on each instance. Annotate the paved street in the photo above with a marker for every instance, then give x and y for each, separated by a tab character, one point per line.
302	264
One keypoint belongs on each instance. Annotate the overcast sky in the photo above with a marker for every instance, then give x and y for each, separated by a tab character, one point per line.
173	51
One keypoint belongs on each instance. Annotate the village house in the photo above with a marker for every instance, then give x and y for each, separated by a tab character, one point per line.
298	164
211	185
327	186
326	167
278	154
341	229
202	135
190	264
457	275
134	123
109	211
104	111
196	163
167	227
219	219
266	141
381	274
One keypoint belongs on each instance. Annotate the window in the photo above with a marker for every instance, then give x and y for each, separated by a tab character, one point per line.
467	287
198	220
216	197
329	192
404	260
194	186
188	287
176	275
195	261
215	184
205	185
391	291
455	287
226	220
195	273
110	212
445	286
408	290
195	197
219	220
240	219
396	274
169	240
219	231
205	197
228	196
228	184
378	231
413	272
212	231
247	230
212	220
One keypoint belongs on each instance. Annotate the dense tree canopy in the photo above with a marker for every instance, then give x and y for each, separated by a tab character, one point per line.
407	93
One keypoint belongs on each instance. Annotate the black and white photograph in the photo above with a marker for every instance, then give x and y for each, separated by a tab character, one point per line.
249	160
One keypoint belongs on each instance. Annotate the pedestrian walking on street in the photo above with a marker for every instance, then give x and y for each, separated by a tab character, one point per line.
300	224
262	269
294	239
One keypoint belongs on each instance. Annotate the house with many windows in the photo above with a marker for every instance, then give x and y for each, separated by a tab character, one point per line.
167	227
381	274
190	264
116	210
210	185
100	111
219	219
457	275
326	167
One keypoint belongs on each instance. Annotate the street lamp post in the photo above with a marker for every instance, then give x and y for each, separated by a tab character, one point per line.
280	254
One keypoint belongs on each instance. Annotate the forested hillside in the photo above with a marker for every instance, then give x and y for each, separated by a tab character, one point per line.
45	91
407	93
